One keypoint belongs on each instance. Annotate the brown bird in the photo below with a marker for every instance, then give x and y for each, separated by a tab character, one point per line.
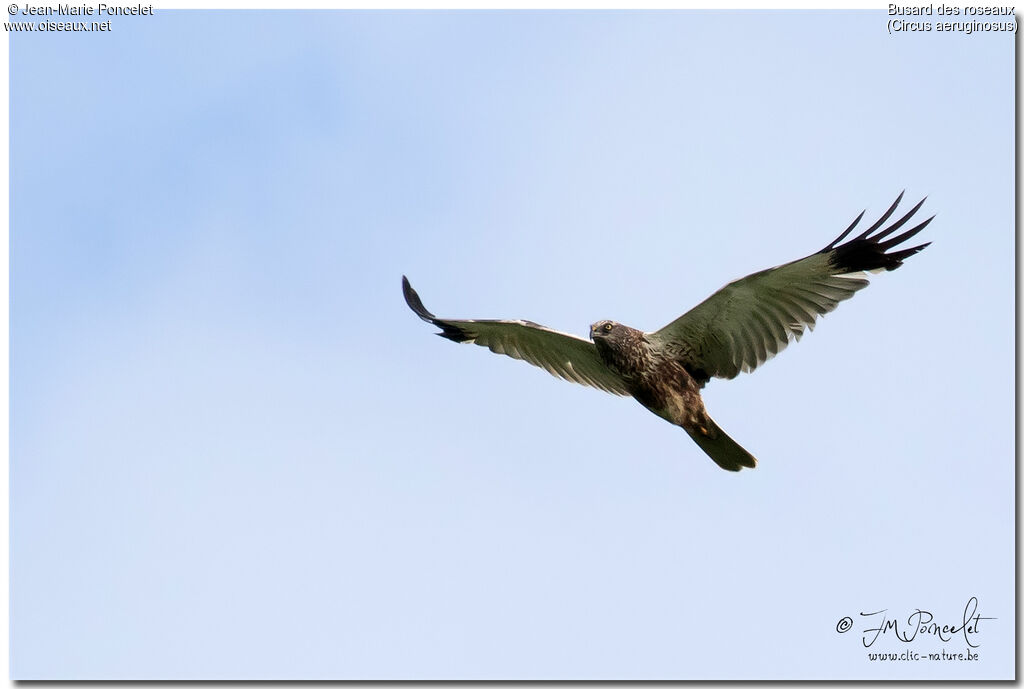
737	328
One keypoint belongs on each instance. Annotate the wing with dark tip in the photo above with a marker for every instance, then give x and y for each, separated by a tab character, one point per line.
560	354
749	321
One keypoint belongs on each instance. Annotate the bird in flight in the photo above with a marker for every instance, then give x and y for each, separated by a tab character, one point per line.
737	328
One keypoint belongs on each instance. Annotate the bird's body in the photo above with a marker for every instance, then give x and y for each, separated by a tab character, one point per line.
736	329
660	383
663	385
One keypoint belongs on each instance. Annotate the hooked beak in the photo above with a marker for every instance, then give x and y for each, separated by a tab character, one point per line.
594	331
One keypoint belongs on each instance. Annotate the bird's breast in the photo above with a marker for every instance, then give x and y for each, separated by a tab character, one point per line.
668	390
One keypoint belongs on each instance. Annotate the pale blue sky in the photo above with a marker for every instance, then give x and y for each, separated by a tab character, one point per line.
235	453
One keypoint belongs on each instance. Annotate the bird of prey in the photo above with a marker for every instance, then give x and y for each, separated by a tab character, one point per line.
737	328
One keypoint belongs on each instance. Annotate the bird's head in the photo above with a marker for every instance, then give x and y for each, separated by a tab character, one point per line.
622	348
604	329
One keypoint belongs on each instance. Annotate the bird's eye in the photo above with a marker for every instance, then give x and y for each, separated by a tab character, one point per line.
607	327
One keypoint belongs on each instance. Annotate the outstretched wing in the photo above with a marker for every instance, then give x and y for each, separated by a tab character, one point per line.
748	321
560	354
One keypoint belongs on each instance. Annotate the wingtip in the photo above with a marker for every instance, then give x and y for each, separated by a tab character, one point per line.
414	302
868	252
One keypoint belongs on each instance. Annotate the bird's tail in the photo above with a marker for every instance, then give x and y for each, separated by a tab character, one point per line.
726	452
